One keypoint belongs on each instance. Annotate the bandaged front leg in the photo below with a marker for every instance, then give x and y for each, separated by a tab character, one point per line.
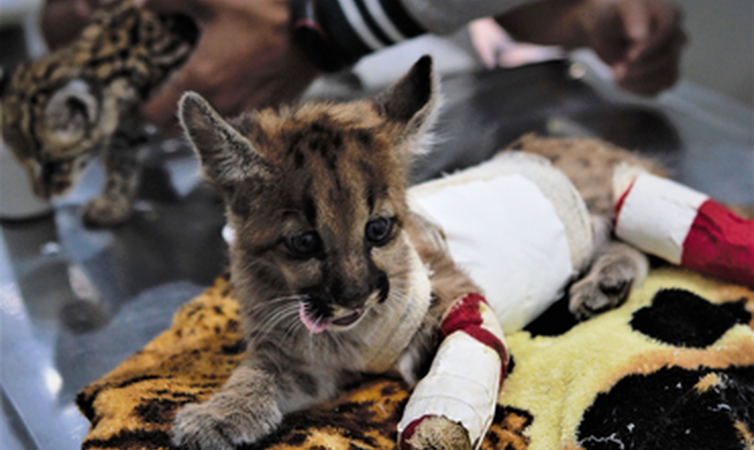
463	382
683	226
517	226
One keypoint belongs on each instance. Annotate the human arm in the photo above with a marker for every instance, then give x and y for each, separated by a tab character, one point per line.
641	40
245	57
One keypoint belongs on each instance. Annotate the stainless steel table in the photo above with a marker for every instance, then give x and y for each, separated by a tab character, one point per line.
76	302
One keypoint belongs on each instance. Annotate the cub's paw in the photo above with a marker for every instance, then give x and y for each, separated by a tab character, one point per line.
603	289
437	433
207	426
106	211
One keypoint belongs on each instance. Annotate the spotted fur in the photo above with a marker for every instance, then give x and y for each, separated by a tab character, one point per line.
305	188
316	195
133	407
60	110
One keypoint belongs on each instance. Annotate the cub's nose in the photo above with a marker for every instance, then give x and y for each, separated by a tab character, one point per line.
352	297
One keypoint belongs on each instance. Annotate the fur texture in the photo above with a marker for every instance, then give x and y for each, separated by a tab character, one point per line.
58	112
662	368
316	194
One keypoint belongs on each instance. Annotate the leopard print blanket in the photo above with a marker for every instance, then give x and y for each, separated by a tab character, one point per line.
673	368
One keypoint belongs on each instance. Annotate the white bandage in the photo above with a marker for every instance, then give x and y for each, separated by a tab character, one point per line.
463	382
657	215
517	226
683	226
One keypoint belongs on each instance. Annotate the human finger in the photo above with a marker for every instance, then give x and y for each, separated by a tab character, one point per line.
488	39
649	77
668	54
663	61
635	19
611	24
665	25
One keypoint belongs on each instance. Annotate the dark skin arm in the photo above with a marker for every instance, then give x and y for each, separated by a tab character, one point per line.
245	57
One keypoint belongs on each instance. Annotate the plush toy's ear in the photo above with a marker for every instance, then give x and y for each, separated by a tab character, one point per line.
227	156
413	100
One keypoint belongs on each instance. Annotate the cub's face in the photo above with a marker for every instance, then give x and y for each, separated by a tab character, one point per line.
51	131
316	196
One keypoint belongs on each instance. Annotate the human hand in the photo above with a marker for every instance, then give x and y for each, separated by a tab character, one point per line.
496	48
245	57
641	41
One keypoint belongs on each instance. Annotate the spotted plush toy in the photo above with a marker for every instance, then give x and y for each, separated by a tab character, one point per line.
673	368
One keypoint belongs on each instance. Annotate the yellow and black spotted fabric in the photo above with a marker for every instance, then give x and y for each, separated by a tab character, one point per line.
673	368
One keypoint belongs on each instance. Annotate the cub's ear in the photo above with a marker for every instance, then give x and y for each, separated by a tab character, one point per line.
227	156
413	100
72	108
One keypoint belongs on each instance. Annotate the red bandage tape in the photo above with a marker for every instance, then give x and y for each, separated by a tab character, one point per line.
720	243
468	317
465	316
677	223
408	433
620	202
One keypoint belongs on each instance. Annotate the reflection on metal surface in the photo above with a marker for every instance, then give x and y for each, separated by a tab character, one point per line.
50	249
53	381
577	71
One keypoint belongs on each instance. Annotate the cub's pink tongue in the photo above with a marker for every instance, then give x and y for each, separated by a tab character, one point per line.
313	327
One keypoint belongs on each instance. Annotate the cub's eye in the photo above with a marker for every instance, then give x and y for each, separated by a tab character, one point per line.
378	231
303	245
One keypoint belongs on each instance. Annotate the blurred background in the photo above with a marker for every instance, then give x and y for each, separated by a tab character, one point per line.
76	302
